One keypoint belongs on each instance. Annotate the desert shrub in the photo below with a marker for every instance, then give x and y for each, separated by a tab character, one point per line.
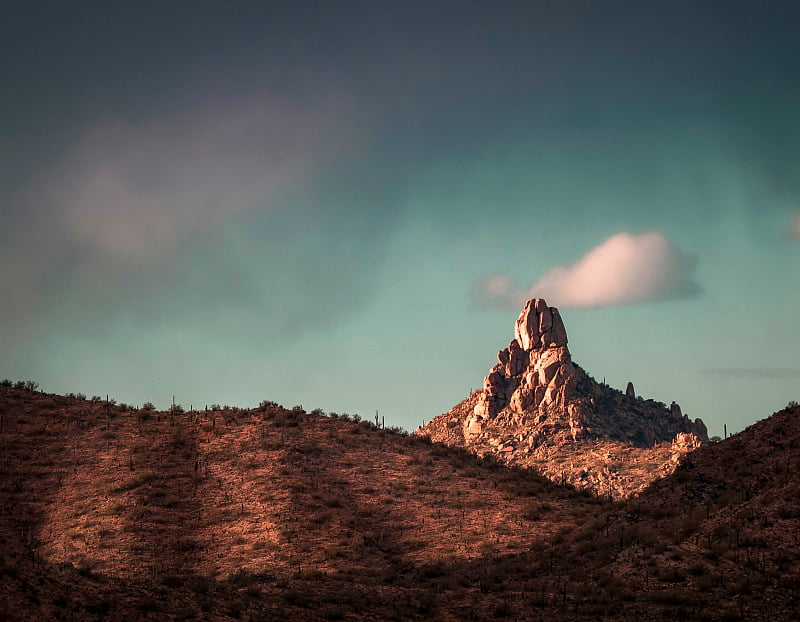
332	612
147	604
502	610
177	409
534	510
80	396
333	415
6	383
298	408
173	580
787	512
356	418
671	575
706	583
96	399
288	419
671	597
268	404
318	412
187	544
100	607
148	406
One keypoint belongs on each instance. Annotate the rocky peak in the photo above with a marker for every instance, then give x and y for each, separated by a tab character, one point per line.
538	408
533	371
539	326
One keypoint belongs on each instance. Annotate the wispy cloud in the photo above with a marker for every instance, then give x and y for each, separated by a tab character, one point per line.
776	373
124	196
625	269
495	290
133	190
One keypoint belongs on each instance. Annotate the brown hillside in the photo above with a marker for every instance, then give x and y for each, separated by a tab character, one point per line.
112	513
266	498
539	409
717	540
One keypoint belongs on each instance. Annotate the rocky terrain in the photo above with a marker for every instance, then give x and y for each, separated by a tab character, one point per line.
538	408
109	512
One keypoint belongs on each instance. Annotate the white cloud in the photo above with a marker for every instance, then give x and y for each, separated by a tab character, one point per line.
625	269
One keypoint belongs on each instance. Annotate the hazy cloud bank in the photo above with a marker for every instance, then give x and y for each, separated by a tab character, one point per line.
131	191
125	196
625	269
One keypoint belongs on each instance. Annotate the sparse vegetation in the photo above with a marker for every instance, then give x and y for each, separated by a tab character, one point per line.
23	385
282	514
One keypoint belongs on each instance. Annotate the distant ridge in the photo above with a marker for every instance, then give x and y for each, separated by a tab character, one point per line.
537	408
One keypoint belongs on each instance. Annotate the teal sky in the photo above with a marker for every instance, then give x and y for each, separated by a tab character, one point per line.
232	203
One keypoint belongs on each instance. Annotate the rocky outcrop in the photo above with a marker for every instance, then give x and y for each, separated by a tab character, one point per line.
538	408
533	374
682	444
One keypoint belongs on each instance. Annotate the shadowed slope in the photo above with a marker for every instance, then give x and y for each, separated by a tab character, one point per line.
110	513
268	493
719	539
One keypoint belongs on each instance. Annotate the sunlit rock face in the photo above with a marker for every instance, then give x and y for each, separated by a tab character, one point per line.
538	408
534	370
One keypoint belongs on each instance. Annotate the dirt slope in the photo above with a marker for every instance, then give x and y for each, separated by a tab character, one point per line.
111	513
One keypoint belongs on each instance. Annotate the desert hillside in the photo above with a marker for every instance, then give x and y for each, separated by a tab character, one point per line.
110	512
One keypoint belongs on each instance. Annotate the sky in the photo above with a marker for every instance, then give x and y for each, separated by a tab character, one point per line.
345	205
